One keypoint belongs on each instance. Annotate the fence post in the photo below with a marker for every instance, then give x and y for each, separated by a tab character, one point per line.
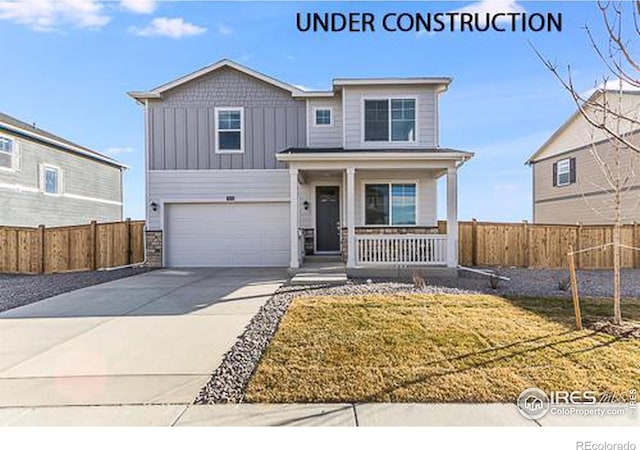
43	249
94	245
527	242
474	242
579	244
128	222
634	243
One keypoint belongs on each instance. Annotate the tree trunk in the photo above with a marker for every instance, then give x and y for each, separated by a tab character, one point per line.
617	315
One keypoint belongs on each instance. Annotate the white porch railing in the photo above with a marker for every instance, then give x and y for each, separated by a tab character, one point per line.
404	249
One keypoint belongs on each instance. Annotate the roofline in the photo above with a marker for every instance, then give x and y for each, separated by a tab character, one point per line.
157	92
379	156
445	81
63	145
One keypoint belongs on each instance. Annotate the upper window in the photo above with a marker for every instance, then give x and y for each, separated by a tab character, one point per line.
390	120
390	204
51	180
6	152
323	117
563	172
229	130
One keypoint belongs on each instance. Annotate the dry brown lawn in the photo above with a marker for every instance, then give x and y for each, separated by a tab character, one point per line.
438	348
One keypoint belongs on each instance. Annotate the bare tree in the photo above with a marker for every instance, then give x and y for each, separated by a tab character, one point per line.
612	118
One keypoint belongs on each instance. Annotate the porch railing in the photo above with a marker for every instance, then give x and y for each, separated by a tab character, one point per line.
405	249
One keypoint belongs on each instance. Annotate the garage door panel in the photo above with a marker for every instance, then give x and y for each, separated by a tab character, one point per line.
221	234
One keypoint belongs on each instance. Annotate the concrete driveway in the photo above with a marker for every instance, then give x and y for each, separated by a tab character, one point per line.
148	339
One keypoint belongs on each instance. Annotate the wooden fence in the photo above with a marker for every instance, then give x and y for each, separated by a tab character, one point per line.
72	248
528	245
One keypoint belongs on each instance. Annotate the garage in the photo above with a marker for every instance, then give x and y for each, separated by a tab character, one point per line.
227	234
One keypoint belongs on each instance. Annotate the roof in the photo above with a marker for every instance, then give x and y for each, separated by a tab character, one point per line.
338	83
295	150
16	126
340	154
538	154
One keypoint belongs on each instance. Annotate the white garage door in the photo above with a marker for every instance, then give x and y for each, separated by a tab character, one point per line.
227	234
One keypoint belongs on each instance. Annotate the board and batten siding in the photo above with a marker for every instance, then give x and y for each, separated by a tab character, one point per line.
427	121
325	136
181	126
23	204
167	186
576	202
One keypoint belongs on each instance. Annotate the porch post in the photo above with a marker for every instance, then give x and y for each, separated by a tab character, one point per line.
452	217
351	217
293	217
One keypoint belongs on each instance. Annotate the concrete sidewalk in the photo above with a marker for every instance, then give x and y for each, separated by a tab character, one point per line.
349	415
153	338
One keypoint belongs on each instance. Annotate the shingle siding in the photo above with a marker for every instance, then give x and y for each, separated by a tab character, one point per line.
81	176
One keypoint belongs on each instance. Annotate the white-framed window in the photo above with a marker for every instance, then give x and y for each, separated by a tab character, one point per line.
389	120
563	172
390	203
7	153
229	130
50	179
322	117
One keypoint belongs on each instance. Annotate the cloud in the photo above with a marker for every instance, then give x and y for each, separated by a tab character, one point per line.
302	87
224	29
139	6
115	151
175	28
493	7
50	15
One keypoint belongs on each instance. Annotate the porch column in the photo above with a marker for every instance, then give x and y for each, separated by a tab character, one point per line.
294	263
351	217
452	217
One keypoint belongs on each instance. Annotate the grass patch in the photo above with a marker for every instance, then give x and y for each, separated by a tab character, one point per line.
438	348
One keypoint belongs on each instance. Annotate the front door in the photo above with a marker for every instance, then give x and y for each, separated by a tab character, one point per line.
327	219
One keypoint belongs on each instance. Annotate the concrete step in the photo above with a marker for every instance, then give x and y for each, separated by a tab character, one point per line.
312	278
322	258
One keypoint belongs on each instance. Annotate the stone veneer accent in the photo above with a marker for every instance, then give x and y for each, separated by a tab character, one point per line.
153	248
309	244
382	230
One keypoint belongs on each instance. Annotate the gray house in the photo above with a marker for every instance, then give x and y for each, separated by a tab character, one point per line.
246	170
48	180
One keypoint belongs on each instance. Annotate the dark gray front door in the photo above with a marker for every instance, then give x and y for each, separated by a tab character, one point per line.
327	218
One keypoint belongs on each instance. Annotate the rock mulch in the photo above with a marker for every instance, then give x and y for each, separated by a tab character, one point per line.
20	290
229	381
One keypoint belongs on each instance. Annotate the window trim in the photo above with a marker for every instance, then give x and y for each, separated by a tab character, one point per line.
43	169
217	110
364	98
14	153
568	172
322	108
390	183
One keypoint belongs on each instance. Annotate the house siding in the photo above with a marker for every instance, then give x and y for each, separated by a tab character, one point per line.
325	136
22	203
213	186
427	133
577	201
182	127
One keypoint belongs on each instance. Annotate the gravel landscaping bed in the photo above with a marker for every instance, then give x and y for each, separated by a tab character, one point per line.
19	290
229	381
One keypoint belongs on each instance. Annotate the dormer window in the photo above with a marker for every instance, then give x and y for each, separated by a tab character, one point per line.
390	120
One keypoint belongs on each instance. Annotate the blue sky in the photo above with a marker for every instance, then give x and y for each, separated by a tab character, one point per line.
67	65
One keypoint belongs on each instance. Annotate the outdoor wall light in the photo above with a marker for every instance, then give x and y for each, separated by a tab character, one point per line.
305	205
154	206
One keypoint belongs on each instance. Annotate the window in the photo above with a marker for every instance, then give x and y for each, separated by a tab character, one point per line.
323	117
6	153
563	172
229	130
390	204
390	120
50	180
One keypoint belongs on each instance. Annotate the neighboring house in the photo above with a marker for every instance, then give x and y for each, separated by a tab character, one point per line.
245	170
568	182
47	180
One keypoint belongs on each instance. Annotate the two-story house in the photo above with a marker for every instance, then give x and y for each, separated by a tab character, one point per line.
570	181
48	180
245	170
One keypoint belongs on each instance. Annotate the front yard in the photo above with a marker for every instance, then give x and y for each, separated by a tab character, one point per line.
439	348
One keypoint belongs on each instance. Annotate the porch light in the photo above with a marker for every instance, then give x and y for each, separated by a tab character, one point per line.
305	205
154	206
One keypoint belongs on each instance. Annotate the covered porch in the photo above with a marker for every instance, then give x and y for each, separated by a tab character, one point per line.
373	209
